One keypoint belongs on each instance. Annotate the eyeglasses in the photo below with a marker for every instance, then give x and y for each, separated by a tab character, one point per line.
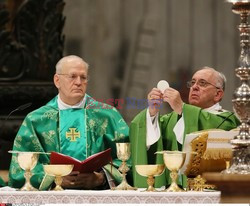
201	83
74	77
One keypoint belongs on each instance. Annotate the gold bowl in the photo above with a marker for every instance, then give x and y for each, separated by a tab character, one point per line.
150	171
174	160
27	160
58	171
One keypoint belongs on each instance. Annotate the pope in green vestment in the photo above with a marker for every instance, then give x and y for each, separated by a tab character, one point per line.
195	119
151	132
40	132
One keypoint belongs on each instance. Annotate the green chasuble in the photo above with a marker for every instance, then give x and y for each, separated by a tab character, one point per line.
72	124
195	119
102	126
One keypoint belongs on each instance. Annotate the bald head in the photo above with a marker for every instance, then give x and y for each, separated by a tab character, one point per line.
68	59
71	79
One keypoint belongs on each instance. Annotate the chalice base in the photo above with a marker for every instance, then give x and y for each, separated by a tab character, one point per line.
58	188
58	181
173	188
28	187
124	186
150	189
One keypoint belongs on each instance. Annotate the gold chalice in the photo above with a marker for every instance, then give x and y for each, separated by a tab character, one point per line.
58	171
27	161
150	171
173	160
123	153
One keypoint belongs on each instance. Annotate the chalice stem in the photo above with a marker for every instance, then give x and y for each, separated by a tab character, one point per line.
124	181
27	175
174	186
58	181
150	182
27	186
124	184
124	168
174	176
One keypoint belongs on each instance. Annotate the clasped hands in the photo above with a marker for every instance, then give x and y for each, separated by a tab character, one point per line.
170	95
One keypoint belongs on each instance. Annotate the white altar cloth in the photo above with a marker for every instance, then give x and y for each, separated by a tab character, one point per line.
106	196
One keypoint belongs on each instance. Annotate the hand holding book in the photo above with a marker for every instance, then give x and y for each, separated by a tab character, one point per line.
93	163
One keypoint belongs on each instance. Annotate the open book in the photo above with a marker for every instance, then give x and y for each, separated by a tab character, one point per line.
91	164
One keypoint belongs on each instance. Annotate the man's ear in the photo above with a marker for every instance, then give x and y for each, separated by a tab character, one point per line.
56	81
219	95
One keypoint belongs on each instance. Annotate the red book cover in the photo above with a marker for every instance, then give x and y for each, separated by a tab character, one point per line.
91	164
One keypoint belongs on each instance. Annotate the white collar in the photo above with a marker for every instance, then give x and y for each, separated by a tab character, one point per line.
215	109
62	105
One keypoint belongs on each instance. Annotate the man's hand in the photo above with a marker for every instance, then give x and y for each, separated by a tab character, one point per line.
76	180
173	97
154	101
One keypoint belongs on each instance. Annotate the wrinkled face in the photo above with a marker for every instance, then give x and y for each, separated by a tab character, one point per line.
72	81
203	92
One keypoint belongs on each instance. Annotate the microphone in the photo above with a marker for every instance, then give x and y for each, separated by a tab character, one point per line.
20	108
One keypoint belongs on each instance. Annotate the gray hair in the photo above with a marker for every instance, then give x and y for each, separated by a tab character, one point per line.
220	78
59	65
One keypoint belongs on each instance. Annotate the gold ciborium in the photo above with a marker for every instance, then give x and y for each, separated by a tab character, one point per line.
173	160
150	171
58	171
27	161
123	153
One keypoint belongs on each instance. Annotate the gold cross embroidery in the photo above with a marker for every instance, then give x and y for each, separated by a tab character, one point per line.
72	134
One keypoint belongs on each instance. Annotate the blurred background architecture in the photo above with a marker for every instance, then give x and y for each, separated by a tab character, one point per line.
129	44
132	44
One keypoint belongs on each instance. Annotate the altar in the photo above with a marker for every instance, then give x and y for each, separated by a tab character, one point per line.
107	196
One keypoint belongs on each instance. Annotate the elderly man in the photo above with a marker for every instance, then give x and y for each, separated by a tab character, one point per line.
44	130
151	132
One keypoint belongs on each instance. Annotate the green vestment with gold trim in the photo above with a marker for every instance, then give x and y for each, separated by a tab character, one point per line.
195	119
39	132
